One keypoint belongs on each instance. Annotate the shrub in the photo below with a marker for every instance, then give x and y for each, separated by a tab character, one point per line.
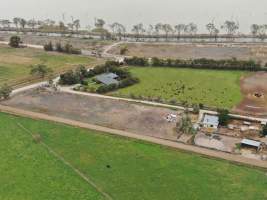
59	47
15	42
223	117
49	47
202	63
137	61
123	50
264	131
69	78
5	92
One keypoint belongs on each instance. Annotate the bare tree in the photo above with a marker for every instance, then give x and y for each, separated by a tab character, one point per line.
254	28
191	29
158	29
167	28
32	24
213	31
138	30
179	29
76	24
231	27
16	22
118	29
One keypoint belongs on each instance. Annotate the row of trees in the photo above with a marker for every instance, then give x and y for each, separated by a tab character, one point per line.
20	24
138	31
203	63
67	48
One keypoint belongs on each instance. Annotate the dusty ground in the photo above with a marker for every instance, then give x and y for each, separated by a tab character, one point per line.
255	84
120	115
224	143
191	51
86	44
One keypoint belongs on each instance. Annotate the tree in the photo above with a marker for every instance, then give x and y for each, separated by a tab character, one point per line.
185	125
99	23
77	24
32	24
264	131
191	28
118	29
167	28
262	31
40	70
22	23
5	91
138	29
231	27
212	30
223	117
5	23
62	26
49	46
179	28
158	28
15	41
16	22
254	29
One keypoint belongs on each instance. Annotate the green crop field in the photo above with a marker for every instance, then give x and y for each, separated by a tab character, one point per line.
125	169
217	88
15	64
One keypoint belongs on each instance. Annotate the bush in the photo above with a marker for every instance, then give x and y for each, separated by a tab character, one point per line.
59	47
223	117
264	131
69	78
15	41
5	92
123	50
137	61
49	47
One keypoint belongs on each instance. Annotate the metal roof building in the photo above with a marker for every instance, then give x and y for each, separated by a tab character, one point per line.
252	143
108	78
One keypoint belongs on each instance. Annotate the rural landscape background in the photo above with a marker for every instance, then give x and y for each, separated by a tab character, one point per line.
133	100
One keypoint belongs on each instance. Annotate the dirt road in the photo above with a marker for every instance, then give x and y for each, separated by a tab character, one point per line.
188	148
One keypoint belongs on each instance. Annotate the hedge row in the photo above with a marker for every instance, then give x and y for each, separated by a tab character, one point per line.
203	63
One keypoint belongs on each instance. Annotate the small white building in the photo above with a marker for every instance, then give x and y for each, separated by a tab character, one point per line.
210	121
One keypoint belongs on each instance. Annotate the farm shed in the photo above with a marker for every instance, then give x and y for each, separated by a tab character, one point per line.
210	121
107	78
251	143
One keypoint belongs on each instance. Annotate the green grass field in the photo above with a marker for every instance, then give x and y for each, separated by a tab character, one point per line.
210	87
15	64
126	169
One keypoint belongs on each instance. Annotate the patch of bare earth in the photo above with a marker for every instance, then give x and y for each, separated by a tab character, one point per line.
136	118
193	51
254	89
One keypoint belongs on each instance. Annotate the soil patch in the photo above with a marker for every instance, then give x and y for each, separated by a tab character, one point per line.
136	118
254	89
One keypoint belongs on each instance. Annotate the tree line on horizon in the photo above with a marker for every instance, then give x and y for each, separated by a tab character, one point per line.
138	31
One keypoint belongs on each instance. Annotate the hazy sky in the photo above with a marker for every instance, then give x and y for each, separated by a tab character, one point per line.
146	11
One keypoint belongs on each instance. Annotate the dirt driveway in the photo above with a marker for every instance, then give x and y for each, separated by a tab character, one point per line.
136	118
254	89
